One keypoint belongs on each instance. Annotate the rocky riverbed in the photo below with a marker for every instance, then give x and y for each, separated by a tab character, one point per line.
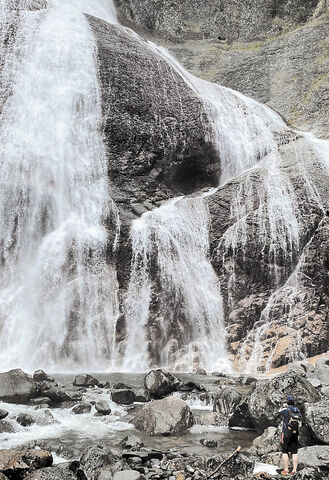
130	426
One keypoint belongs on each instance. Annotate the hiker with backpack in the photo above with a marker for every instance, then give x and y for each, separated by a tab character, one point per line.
289	437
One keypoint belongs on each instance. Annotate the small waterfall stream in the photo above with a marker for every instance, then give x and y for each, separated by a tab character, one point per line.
189	330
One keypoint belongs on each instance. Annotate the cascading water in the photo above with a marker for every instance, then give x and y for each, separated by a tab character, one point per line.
170	261
58	292
58	302
243	130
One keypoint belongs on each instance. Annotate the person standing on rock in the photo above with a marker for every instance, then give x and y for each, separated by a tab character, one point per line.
289	436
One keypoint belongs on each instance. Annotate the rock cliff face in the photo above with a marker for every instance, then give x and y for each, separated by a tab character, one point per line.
267	328
273	51
275	293
155	127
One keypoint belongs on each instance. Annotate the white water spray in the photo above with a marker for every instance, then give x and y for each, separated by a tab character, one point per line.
58	302
189	330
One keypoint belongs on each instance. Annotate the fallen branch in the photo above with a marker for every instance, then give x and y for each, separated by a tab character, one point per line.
225	461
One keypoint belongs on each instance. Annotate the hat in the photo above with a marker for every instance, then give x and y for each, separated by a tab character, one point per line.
290	398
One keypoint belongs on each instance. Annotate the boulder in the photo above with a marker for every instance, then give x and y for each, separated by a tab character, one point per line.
122	386
266	443
41	376
45	417
169	416
131	442
94	459
160	383
190	386
3	414
226	401
201	371
16	463
59	394
57	472
85	381
17	387
6	427
321	371
127	475
316	456
141	395
123	396
81	408
208	418
316	418
269	396
103	407
25	419
12	464
240	416
310	474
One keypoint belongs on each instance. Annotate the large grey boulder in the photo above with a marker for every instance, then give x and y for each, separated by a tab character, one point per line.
321	371
160	383
316	456
17	386
59	394
316	417
169	416
123	396
268	397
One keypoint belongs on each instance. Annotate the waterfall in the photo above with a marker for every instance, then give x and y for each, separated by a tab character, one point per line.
243	130
171	267
58	302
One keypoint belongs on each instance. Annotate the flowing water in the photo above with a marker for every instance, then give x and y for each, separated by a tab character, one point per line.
58	289
189	329
58	302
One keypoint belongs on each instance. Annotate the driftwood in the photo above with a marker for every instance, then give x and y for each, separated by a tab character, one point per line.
225	461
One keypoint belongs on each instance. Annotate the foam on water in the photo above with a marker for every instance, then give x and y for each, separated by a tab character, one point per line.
65	423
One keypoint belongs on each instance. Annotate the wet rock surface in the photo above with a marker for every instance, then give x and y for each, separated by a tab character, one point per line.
16	386
160	383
